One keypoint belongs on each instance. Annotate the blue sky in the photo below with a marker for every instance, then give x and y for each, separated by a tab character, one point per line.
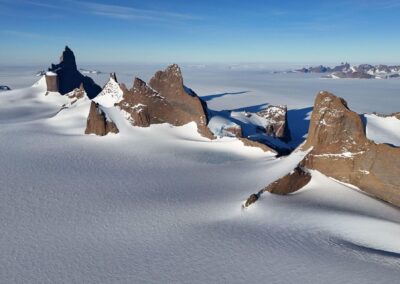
34	31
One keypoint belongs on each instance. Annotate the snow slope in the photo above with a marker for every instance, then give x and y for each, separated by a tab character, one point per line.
110	95
383	129
163	204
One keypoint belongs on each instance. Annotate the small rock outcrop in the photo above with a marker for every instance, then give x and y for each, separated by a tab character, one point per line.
292	182
252	199
51	81
98	123
77	94
69	78
277	121
233	130
164	100
4	88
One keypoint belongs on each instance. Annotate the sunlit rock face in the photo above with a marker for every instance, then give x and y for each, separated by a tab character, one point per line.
164	100
98	123
340	149
277	121
337	146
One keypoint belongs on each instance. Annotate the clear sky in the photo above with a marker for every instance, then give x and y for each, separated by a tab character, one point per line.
35	31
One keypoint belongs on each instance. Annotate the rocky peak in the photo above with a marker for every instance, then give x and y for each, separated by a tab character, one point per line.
69	78
337	147
98	122
113	75
67	59
276	117
164	100
169	82
139	84
111	93
334	128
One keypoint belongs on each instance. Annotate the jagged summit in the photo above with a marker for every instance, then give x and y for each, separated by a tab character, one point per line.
67	59
334	128
69	78
164	100
337	147
111	93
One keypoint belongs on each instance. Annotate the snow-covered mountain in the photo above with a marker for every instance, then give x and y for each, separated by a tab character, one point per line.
163	203
363	71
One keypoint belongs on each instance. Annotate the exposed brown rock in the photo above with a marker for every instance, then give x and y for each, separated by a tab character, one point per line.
252	199
251	143
341	150
98	123
234	130
290	183
277	118
52	82
165	100
77	94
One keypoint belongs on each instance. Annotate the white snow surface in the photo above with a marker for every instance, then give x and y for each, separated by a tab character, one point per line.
383	129
163	205
110	95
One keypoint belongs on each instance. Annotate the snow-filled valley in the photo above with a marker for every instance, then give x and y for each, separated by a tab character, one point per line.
163	204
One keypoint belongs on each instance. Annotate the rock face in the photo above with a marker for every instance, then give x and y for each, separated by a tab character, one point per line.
51	81
252	199
164	100
234	130
276	116
98	123
338	147
341	150
69	78
290	183
77	94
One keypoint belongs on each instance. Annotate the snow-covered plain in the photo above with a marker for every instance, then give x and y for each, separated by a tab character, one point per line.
162	204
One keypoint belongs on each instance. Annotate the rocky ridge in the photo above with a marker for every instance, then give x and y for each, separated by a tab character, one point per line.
338	147
164	100
362	71
98	122
65	77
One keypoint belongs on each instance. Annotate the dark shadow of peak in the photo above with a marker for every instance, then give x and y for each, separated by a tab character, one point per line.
69	78
364	121
214	96
298	123
91	88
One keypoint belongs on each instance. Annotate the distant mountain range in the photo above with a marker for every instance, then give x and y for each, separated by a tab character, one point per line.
362	71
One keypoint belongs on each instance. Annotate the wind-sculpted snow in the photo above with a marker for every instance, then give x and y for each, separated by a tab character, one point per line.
162	204
383	129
